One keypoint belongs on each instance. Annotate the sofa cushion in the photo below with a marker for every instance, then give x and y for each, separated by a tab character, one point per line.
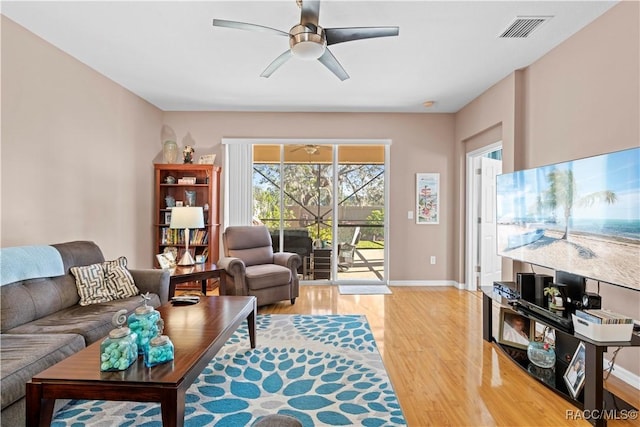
23	356
267	275
93	321
80	252
103	282
26	300
22	302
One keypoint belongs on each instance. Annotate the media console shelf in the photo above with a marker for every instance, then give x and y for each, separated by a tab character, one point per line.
594	400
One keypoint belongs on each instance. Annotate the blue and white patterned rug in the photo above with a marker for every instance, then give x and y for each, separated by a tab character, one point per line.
322	370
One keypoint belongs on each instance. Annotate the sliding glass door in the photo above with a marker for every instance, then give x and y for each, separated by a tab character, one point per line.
361	211
326	203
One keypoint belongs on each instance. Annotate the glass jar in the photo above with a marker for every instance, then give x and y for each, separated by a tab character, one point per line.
170	151
541	354
120	349
160	351
144	323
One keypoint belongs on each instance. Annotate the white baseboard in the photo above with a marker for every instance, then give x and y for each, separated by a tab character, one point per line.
623	374
414	283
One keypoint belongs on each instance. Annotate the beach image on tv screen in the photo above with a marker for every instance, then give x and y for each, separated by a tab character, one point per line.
581	216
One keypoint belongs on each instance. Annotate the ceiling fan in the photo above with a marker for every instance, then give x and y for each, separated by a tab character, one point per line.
308	40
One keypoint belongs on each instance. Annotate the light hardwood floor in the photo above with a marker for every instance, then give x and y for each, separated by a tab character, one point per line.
444	374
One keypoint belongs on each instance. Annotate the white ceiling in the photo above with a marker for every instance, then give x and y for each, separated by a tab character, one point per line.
170	54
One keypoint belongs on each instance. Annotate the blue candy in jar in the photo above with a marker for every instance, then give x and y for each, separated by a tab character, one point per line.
144	323
160	351
119	350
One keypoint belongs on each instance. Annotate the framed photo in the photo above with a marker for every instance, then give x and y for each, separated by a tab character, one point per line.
179	204
516	330
545	334
167	217
172	253
574	375
427	198
207	159
166	260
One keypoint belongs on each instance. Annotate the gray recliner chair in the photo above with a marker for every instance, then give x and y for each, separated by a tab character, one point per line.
252	268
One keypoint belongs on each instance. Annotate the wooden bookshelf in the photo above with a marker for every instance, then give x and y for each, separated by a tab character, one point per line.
207	195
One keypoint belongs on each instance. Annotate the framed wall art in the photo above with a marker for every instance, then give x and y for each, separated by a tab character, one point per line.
427	198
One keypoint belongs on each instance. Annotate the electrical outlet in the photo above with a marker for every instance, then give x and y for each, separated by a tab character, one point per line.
433	259
409	214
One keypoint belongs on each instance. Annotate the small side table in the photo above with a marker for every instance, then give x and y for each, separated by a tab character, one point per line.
321	263
192	273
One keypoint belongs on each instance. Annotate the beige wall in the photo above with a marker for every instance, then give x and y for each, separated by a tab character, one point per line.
421	143
579	100
76	152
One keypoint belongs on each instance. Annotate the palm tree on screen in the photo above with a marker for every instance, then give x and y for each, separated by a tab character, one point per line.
563	193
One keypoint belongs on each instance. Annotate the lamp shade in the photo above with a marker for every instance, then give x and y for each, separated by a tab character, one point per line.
187	217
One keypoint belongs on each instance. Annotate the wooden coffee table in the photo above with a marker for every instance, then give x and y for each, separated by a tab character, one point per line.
197	332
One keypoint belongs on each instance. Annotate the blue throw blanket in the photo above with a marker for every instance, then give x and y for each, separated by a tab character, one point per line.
29	262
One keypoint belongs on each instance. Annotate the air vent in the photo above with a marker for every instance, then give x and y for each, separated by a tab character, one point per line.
523	26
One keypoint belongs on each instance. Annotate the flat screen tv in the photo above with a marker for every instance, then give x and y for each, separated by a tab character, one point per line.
581	216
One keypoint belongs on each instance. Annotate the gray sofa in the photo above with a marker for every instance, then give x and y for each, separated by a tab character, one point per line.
42	322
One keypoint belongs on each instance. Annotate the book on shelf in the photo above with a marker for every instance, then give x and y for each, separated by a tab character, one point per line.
174	236
603	316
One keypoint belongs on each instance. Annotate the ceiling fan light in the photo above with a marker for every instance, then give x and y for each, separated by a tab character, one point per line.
308	50
307	44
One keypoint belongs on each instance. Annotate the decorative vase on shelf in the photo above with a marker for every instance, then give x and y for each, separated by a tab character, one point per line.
190	197
170	151
541	354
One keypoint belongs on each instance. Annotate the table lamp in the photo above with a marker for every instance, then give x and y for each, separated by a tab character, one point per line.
187	217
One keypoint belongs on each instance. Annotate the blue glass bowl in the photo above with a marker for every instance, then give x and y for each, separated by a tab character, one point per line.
539	356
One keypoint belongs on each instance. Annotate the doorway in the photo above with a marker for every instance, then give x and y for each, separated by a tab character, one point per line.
483	265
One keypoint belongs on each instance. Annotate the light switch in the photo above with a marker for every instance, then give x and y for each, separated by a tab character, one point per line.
409	214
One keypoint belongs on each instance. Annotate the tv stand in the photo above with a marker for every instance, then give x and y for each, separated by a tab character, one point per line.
596	403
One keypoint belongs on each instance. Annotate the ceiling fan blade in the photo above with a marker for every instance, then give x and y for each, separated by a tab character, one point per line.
276	63
341	35
330	61
310	12
249	27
